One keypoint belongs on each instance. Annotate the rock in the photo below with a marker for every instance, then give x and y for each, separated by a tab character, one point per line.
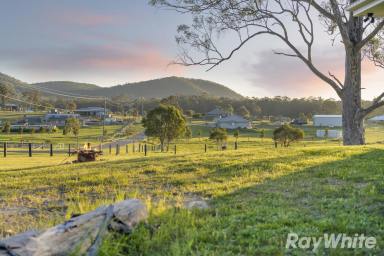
80	235
197	204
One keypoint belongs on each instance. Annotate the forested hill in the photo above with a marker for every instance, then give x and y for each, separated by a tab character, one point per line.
158	88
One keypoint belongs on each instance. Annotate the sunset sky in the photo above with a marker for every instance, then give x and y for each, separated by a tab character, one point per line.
120	41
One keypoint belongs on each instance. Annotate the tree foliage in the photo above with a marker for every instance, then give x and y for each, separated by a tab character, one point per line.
5	91
166	122
219	135
6	127
286	134
72	125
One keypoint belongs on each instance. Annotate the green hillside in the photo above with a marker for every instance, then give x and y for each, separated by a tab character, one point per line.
10	81
67	86
160	88
157	88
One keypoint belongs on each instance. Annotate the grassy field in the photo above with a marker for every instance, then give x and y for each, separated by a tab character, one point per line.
256	194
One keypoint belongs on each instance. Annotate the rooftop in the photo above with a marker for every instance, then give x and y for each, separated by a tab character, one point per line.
90	109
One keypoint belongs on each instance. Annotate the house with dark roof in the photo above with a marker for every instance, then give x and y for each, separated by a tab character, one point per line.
11	107
92	111
233	122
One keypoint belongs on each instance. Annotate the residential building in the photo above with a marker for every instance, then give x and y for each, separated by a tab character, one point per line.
233	122
92	111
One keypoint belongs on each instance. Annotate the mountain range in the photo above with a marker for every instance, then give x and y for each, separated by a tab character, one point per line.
157	88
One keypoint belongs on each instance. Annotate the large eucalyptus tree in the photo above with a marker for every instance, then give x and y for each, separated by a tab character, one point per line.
249	19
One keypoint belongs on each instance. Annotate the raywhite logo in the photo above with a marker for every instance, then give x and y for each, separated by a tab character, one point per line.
330	241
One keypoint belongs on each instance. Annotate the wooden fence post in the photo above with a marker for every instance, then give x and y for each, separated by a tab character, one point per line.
5	149
175	149
139	147
235	145
110	148
51	150
30	149
69	149
126	148
205	148
133	147
145	150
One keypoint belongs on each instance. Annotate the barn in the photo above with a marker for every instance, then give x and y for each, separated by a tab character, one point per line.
327	120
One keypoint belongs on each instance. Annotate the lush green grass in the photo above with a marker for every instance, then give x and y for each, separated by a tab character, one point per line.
374	133
257	195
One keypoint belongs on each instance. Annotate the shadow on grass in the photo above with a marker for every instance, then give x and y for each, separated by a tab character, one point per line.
345	196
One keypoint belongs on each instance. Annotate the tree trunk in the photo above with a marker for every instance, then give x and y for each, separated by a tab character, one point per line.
353	118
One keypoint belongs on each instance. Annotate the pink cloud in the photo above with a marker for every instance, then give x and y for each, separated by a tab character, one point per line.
281	75
142	57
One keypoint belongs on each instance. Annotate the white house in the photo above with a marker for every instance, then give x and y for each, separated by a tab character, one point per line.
233	122
327	120
367	8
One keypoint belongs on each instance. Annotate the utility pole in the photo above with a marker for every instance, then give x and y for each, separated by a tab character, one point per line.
105	113
142	107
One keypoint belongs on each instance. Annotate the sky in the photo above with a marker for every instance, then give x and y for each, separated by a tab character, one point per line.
122	41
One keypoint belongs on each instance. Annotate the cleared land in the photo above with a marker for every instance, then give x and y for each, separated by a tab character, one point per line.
257	195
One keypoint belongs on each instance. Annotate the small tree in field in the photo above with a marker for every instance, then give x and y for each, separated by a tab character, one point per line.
199	133
71	106
188	133
219	135
166	122
236	134
286	134
7	127
72	125
262	134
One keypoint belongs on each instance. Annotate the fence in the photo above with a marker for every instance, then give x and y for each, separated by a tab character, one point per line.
32	149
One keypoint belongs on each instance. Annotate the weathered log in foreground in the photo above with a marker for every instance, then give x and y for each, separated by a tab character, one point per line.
80	235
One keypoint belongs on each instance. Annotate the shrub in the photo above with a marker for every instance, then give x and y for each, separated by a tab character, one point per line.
286	134
6	127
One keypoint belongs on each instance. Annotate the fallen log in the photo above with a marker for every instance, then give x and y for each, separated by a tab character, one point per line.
80	235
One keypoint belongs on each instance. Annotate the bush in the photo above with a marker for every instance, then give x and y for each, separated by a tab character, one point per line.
6	127
286	134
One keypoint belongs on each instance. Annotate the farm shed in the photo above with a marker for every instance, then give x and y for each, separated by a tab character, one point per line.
367	7
327	120
233	122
